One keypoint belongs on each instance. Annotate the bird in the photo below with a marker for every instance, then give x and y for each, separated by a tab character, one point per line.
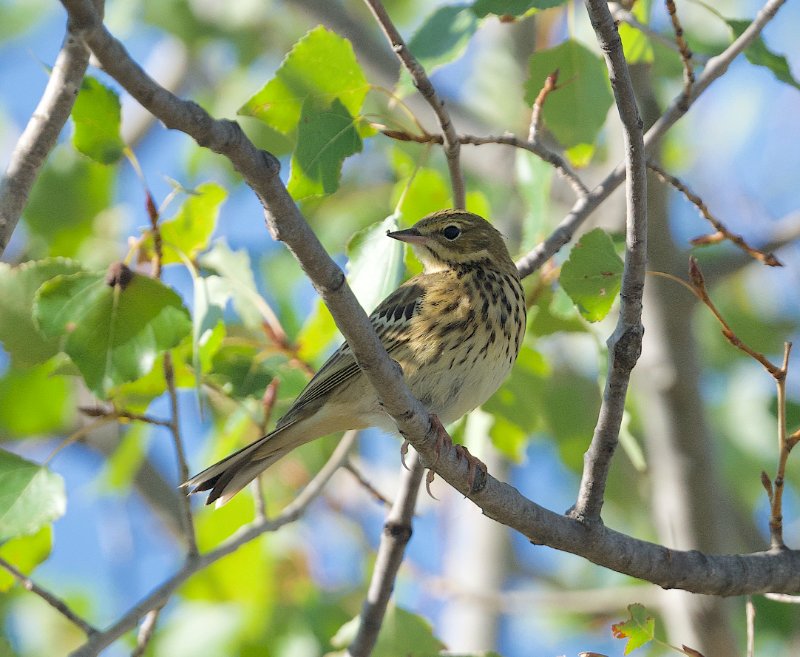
455	330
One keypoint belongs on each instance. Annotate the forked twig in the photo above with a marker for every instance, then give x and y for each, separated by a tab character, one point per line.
722	233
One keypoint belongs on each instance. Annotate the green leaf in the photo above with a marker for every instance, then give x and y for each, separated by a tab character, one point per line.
534	177
512	7
442	38
400	628
375	266
121	467
427	192
327	134
322	66
25	553
637	47
18	333
30	496
554	312
516	406
592	275
22	412
112	334
96	115
69	194
757	53
639	629
237	280
189	231
577	109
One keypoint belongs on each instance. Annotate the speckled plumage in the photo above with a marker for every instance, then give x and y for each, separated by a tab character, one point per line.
455	330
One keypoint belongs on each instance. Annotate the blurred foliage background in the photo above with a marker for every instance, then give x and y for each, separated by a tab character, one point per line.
315	83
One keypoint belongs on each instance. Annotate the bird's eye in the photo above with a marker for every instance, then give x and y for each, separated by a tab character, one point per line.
451	232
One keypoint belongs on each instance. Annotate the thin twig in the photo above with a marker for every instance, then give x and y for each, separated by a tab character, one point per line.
625	344
117	414
623	15
585	205
784	598
685	52
180	453
784	449
722	232
365	484
423	84
554	159
698	286
41	132
750	616
159	597
396	534
268	403
146	631
54	601
550	85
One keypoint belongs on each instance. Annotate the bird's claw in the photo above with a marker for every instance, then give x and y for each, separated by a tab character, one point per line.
474	464
403	451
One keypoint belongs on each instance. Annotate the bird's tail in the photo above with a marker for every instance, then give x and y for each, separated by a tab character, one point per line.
227	477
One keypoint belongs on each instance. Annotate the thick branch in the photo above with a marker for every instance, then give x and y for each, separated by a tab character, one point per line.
452	146
41	133
584	206
396	534
625	344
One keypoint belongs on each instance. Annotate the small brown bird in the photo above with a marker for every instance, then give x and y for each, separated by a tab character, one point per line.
455	330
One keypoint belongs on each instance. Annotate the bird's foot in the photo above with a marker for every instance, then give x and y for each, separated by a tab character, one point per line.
474	464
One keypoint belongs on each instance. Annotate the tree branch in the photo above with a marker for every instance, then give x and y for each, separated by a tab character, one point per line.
396	534
452	146
584	206
41	133
54	601
625	344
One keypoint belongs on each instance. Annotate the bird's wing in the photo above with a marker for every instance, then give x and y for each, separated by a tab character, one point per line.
390	318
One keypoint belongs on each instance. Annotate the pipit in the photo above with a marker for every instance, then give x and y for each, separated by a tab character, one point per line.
455	330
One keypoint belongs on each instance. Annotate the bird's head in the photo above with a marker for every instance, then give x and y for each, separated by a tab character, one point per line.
452	238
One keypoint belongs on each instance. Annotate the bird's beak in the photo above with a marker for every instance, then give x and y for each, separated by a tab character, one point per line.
410	235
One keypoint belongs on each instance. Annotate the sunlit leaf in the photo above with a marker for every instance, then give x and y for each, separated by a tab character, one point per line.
96	115
577	109
375	265
189	231
22	393
18	333
592	275
639	629
635	43
237	280
30	496
327	134
321	66
25	553
113	334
